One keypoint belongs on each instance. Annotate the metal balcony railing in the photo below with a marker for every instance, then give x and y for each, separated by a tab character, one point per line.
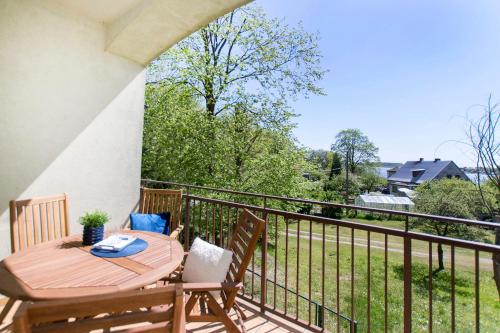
336	275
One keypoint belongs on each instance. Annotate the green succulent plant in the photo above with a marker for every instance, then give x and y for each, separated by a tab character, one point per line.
94	219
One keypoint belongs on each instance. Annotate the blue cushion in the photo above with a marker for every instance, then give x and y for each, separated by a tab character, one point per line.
159	223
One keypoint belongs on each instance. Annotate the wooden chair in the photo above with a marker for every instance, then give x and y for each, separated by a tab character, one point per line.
129	312
243	243
153	201
38	220
34	221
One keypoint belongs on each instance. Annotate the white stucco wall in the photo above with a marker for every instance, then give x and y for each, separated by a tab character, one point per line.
71	114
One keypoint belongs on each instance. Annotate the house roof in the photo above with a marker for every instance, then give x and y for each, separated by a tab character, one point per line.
419	171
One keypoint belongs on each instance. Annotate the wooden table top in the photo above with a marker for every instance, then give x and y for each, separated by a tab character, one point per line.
64	268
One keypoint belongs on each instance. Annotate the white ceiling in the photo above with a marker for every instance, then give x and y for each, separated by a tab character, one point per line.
105	11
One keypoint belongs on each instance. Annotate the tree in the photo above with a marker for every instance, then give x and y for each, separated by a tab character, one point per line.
336	167
337	185
483	138
175	132
354	148
321	158
244	62
370	180
449	197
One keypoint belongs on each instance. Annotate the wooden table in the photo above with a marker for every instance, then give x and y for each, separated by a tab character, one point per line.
64	268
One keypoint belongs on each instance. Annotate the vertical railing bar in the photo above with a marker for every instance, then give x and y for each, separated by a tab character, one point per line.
297	273
477	308
263	264
286	265
228	226
323	253
253	275
310	269
338	280
193	218
352	278
386	308
368	312
186	222
407	284
200	218
430	287
453	288
221	218
244	275
214	240
206	222
276	236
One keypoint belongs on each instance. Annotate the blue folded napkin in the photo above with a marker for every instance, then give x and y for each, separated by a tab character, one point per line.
159	223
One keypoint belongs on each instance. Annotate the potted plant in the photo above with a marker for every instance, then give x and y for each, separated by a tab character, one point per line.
93	226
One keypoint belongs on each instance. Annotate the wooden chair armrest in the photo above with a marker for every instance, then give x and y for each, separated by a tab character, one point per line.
175	233
211	286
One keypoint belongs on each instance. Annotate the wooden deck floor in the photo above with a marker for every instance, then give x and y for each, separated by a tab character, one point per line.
256	323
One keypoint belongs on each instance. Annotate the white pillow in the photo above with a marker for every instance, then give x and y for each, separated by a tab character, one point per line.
206	263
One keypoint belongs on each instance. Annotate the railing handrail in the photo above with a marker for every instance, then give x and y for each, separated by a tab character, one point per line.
483	224
359	226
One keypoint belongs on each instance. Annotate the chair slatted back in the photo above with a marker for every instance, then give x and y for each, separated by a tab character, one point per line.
154	201
38	220
148	310
243	242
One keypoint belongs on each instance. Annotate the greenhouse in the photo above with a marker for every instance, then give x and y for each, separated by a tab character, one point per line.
385	202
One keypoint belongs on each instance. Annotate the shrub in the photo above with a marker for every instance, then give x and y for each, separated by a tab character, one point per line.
94	219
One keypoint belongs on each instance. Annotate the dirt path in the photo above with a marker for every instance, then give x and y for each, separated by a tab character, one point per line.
462	260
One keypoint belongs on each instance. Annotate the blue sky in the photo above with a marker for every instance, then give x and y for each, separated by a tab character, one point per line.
405	72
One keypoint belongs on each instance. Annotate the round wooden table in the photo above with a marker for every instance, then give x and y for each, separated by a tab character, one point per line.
64	268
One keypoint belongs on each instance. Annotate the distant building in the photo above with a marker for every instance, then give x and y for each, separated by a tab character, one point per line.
414	173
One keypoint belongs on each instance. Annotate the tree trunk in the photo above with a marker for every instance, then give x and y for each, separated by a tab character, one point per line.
210	105
347	181
440	258
496	258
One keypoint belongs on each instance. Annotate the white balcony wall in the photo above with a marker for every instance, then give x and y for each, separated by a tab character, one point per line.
71	113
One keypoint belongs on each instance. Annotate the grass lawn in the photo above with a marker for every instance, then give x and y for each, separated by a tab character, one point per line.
300	249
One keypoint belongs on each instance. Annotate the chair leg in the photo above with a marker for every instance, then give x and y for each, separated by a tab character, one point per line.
231	326
10	303
240	311
191	302
241	320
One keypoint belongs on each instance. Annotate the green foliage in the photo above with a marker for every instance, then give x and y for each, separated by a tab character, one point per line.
319	161
217	111
336	168
370	180
332	212
450	197
175	132
338	185
245	60
355	148
94	219
245	157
